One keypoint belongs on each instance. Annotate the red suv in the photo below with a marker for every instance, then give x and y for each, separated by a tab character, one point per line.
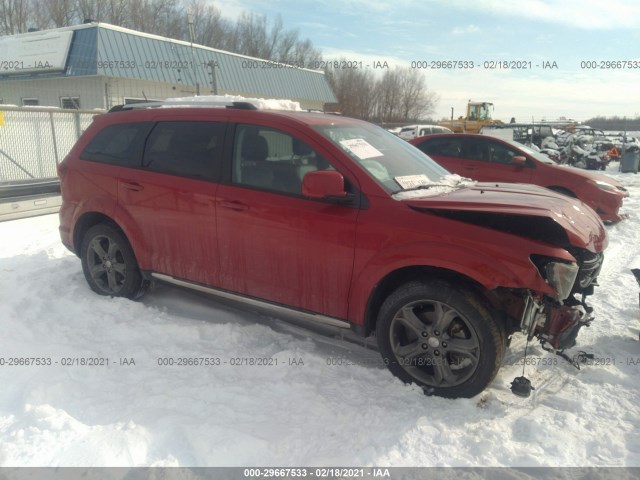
487	159
332	220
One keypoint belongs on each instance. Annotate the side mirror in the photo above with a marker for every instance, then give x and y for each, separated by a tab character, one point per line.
519	161
324	184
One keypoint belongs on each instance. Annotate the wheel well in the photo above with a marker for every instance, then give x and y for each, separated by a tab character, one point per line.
563	190
404	275
87	221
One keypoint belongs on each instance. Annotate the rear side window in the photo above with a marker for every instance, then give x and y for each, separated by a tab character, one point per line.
477	149
118	144
187	149
448	147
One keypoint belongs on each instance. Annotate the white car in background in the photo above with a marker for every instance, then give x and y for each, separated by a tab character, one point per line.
413	131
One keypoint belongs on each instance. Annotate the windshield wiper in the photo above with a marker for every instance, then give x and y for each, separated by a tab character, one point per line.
423	187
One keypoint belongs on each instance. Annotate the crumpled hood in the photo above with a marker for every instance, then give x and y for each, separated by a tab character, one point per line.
523	203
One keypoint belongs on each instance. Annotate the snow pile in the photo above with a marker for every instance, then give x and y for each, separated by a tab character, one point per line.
260	103
446	184
338	407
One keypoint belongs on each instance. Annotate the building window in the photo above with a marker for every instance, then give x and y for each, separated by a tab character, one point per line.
70	102
30	101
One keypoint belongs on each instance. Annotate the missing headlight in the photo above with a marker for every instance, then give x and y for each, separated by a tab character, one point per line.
560	275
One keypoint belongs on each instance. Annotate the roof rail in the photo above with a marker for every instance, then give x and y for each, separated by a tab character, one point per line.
173	103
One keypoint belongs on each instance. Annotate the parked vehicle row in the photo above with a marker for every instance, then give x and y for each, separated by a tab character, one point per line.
413	131
485	158
336	221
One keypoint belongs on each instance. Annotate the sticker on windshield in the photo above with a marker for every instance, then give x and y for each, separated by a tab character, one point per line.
361	148
412	181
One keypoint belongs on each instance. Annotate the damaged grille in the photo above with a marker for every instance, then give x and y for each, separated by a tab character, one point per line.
590	264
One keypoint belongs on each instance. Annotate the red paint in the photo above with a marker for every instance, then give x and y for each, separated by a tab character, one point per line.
574	180
307	253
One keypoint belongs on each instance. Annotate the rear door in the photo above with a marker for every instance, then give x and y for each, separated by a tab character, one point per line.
171	197
489	160
274	243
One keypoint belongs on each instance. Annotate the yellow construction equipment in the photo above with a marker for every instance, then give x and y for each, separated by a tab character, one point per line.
478	115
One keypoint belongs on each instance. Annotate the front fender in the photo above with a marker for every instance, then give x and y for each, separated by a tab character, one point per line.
490	269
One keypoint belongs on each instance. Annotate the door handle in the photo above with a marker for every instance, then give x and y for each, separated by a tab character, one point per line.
234	205
133	186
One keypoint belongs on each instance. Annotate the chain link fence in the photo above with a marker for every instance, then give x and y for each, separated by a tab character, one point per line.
33	140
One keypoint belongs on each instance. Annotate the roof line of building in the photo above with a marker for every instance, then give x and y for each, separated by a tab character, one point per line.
137	33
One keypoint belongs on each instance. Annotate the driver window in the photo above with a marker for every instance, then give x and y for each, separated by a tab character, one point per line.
500	154
273	160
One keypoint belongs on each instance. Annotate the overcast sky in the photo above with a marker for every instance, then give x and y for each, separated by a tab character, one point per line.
532	32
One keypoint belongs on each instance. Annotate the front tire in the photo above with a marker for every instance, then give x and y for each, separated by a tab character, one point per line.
440	337
109	264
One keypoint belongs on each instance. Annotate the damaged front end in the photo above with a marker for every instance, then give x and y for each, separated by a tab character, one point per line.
556	320
548	299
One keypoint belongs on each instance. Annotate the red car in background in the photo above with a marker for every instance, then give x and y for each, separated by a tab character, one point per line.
489	159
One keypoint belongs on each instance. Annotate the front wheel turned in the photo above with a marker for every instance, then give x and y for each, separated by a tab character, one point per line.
440	337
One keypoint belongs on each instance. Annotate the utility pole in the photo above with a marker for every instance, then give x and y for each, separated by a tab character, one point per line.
214	81
193	63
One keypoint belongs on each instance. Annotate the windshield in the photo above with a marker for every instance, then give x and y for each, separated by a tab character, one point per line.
391	161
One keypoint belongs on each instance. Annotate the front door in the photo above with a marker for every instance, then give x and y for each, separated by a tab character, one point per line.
275	244
488	160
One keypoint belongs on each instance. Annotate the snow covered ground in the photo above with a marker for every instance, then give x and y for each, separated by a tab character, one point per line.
302	411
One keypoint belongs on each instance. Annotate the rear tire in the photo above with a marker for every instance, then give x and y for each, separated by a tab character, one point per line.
109	264
440	337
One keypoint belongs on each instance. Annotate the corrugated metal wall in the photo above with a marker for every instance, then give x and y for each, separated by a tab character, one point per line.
124	63
128	55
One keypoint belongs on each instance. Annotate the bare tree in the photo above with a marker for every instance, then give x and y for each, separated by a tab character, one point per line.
210	28
251	34
14	15
355	91
61	12
400	95
95	10
415	101
116	11
39	16
389	90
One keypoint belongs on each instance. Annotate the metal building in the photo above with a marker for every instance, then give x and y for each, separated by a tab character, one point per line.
97	65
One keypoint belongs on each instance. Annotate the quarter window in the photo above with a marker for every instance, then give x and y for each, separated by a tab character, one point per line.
118	144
